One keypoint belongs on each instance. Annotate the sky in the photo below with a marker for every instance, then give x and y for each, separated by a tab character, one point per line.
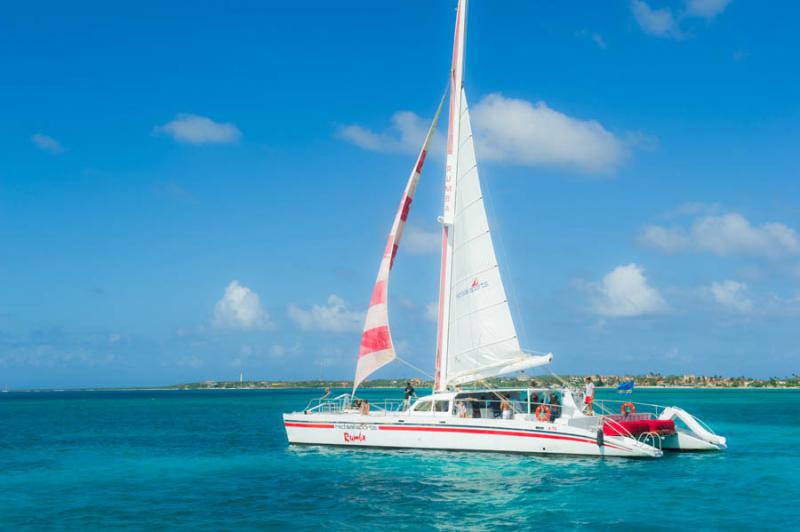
189	190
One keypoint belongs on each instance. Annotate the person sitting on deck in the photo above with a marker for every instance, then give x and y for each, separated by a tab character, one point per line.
555	407
364	409
461	409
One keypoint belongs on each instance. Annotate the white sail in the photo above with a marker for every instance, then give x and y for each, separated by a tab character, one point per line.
477	338
482	339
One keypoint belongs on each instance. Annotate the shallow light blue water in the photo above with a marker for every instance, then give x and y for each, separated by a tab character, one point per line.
219	459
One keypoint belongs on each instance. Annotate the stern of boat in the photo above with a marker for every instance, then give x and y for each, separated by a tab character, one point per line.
668	428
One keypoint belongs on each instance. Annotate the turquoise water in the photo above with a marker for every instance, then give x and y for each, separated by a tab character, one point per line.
219	459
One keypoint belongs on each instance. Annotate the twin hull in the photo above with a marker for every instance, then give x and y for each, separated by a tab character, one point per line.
451	433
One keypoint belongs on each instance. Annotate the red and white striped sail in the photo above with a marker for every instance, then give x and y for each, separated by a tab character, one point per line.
377	349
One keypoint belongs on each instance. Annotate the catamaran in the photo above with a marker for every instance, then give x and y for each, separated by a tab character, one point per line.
477	340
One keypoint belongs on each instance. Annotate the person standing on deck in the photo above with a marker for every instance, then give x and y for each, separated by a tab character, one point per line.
409	392
588	395
555	407
505	408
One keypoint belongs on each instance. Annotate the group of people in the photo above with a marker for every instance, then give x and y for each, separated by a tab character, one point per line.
362	405
500	405
552	402
503	409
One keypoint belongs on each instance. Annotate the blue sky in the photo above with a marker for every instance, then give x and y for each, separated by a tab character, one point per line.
188	190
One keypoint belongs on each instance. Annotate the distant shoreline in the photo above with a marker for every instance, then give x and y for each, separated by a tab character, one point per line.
262	388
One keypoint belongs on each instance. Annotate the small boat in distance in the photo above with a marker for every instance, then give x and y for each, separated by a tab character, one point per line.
476	340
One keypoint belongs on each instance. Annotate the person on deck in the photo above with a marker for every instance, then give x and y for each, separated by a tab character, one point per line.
364	410
505	408
476	408
409	392
555	407
461	409
588	395
326	394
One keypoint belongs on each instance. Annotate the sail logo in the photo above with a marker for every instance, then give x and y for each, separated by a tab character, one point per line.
474	286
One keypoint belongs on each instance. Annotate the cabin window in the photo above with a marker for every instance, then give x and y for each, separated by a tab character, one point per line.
441	406
423	406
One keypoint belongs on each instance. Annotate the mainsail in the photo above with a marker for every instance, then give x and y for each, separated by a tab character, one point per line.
476	334
377	349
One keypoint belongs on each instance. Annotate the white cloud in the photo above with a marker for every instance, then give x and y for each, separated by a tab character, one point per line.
240	308
418	241
432	311
658	22
405	135
726	234
515	131
624	292
47	143
194	129
732	295
511	131
668	240
333	317
706	8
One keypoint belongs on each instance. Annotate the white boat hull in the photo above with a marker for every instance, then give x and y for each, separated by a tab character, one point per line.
452	433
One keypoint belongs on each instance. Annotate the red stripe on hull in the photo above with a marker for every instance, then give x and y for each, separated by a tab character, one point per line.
307	425
495	433
484	431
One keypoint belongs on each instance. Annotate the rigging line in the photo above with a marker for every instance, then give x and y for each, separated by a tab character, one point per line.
562	381
412	366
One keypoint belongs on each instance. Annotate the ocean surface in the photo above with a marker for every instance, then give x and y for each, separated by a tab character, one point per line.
213	460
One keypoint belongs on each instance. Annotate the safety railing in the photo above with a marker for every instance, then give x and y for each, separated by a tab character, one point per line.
642	410
327	405
604	416
347	403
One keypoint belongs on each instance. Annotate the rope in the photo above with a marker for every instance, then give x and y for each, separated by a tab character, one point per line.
412	366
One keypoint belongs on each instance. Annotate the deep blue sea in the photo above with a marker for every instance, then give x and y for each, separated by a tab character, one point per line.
215	460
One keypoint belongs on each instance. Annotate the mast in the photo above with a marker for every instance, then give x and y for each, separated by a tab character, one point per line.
451	170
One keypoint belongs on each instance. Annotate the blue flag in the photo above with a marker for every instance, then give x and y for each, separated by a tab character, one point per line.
625	387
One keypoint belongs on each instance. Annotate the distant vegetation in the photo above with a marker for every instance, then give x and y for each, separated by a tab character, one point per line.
650	380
